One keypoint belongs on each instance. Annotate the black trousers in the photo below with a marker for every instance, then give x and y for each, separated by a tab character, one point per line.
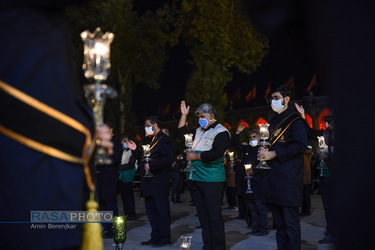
177	183
325	185
106	188
127	197
158	214
258	215
230	193
207	197
241	206
306	199
288	234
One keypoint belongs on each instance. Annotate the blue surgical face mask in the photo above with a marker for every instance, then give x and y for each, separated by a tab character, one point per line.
203	122
124	146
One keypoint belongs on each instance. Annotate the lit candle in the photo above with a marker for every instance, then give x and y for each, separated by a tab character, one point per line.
119	233
231	156
188	140
247	166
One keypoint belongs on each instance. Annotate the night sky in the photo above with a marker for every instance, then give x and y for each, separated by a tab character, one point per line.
290	54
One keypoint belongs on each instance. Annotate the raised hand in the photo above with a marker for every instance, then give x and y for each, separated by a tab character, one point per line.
240	128
301	110
132	145
184	109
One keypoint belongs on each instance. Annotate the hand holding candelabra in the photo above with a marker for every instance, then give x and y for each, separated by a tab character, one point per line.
248	177
147	154
263	145
96	66
189	145
322	165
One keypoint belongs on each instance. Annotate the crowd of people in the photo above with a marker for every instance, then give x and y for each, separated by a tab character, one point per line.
216	172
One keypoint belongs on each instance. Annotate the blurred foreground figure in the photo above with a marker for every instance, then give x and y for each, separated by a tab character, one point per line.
46	128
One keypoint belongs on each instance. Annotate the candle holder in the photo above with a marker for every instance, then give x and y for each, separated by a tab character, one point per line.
185	242
147	154
322	165
96	66
248	177
189	145
231	161
263	145
119	231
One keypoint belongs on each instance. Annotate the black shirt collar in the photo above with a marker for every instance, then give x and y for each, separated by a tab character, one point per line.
213	125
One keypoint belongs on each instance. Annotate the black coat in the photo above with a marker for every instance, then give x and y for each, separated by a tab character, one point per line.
160	165
283	184
108	175
36	58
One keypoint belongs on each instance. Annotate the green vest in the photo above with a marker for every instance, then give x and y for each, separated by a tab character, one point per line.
213	171
127	175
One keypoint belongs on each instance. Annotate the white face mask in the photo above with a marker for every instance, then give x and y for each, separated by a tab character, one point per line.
149	130
277	106
253	143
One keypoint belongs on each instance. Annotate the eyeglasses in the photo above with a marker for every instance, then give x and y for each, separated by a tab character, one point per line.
275	98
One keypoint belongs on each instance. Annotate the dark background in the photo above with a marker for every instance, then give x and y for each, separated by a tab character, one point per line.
289	54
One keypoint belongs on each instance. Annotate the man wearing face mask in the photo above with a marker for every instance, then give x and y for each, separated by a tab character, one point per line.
211	140
283	184
155	189
253	201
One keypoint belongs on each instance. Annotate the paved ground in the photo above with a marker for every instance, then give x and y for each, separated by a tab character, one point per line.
184	222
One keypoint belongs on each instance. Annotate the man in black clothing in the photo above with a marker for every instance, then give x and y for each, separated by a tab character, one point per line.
106	187
325	175
283	185
177	178
253	201
155	189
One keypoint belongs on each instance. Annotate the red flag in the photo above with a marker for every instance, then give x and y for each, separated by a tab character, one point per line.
260	120
312	84
177	111
138	138
251	95
165	110
227	126
268	92
243	122
290	83
309	120
235	97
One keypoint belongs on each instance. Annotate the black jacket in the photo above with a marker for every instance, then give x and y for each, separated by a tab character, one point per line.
160	164
248	154
283	184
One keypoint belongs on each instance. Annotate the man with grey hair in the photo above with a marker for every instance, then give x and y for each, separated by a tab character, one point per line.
211	140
